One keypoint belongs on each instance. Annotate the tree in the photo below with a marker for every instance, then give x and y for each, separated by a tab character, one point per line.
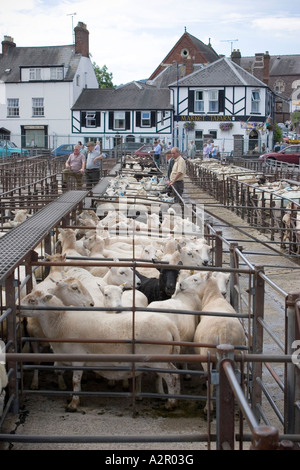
104	78
295	119
277	136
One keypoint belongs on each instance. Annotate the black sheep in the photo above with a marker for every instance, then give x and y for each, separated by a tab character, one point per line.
161	288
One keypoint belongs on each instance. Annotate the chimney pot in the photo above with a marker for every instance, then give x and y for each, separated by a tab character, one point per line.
7	43
81	39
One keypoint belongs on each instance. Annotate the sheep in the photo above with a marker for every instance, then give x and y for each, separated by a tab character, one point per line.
148	326
69	290
140	300
159	289
20	216
116	275
215	329
122	276
3	384
291	220
222	281
189	256
186	297
70	246
116	297
198	246
97	248
221	277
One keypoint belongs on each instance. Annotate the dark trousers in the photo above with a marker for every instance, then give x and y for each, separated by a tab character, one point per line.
179	187
92	178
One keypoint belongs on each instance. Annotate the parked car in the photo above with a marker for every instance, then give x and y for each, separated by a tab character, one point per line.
290	154
9	149
128	147
145	150
64	149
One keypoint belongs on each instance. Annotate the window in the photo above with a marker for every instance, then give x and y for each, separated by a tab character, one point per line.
213	133
255	101
279	86
37	106
206	101
119	120
90	119
199	139
56	73
12	107
35	74
145	119
199	102
213	101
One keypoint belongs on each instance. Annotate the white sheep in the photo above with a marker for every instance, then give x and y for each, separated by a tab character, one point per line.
70	246
70	290
3	384
73	324
215	330
222	279
186	297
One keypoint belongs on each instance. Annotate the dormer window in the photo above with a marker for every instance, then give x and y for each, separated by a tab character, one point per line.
35	74
56	73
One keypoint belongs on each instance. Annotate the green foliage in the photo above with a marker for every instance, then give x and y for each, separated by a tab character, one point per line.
295	117
104	78
277	135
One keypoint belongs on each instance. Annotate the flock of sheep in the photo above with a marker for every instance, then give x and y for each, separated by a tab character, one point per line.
145	309
93	275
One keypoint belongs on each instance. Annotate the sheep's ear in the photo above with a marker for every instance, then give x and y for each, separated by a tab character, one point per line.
123	285
208	275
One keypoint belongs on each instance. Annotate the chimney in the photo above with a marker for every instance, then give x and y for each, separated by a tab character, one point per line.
258	66
7	43
236	56
266	76
81	40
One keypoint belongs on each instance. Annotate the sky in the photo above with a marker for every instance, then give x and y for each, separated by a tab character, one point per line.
132	37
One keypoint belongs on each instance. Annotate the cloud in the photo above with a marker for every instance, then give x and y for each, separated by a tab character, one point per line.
278	26
131	38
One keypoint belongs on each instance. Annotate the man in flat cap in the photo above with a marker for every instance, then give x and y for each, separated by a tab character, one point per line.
92	167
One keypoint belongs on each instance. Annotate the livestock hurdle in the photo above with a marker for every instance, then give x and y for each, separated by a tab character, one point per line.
23	358
263	209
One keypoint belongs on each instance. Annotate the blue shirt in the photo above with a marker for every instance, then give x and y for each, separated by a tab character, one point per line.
157	150
90	165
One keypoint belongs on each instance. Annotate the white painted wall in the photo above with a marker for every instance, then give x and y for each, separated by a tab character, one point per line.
59	98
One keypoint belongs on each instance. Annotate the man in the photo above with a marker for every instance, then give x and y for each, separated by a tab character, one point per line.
192	149
92	167
157	152
177	173
75	166
170	163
